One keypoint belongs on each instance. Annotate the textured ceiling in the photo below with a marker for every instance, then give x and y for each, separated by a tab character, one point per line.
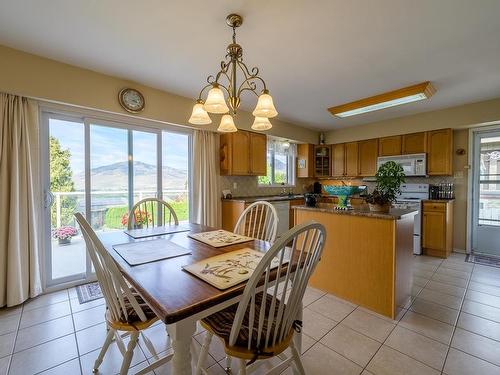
312	54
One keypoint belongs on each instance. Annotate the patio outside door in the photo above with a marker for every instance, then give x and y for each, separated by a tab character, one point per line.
486	193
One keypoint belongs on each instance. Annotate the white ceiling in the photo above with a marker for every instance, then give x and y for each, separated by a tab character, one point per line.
312	54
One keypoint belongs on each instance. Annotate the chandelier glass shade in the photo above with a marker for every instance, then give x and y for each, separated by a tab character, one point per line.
227	124
199	116
233	79
261	124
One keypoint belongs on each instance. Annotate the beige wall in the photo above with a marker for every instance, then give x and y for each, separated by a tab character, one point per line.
38	77
455	117
460	171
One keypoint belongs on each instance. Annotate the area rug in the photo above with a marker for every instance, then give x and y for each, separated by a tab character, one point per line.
89	292
485	260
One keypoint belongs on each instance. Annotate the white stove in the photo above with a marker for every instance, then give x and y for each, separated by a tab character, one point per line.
411	197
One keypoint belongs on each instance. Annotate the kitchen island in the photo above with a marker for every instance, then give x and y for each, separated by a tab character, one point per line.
367	257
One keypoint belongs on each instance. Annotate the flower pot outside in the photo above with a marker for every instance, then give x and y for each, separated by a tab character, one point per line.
64	241
380	207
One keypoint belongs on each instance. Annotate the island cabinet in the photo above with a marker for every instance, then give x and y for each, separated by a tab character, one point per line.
367	258
414	143
243	153
440	152
305	161
437	228
368	154
389	146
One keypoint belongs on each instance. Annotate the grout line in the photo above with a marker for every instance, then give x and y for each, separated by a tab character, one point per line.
15	339
455	326
74	333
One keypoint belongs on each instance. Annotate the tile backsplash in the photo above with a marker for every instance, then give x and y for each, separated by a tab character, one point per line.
247	186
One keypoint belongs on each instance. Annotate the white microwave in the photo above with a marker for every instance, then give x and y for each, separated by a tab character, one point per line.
413	165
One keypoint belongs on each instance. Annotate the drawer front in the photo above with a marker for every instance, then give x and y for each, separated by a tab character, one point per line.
431	206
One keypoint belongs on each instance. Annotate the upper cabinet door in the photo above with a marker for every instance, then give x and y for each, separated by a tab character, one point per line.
322	160
351	159
389	146
240	155
258	154
439	152
368	153
414	143
338	160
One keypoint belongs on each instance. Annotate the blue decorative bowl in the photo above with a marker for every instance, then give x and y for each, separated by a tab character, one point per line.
342	193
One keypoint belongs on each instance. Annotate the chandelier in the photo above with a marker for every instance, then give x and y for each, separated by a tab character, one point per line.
233	68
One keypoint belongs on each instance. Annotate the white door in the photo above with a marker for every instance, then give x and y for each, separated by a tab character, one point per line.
486	193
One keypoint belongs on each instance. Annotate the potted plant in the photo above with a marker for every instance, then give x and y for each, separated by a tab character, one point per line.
389	177
64	234
140	218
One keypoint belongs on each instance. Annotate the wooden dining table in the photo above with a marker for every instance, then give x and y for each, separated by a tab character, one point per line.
179	298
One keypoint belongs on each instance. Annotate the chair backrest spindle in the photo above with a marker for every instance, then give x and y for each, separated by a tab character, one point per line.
259	220
276	314
113	285
151	212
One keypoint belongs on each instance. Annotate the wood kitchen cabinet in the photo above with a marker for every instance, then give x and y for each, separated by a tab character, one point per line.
305	160
414	143
258	154
368	153
322	160
338	160
437	228
243	153
389	146
440	152
345	159
351	159
233	208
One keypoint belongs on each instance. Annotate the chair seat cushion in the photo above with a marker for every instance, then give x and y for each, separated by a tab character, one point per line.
132	316
221	324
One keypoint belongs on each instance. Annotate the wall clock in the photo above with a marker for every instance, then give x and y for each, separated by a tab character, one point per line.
131	100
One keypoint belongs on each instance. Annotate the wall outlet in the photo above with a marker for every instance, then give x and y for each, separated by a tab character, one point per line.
235	185
459	174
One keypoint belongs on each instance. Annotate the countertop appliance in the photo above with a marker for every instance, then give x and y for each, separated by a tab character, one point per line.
411	196
310	199
317	188
413	165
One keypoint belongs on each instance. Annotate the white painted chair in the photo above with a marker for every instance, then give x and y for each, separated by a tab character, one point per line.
154	211
259	220
262	325
126	311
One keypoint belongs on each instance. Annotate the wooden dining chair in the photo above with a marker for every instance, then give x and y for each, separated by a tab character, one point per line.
151	212
263	323
126	311
259	220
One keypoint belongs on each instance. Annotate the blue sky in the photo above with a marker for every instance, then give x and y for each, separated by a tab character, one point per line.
109	145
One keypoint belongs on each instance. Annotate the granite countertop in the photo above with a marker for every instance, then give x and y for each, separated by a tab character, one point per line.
267	198
393	214
438	200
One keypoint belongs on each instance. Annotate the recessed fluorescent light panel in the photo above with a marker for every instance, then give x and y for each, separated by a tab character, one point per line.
389	99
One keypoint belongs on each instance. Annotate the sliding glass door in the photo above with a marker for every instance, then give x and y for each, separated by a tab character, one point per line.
101	169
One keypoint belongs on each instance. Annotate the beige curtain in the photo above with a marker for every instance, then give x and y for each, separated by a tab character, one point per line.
206	190
20	198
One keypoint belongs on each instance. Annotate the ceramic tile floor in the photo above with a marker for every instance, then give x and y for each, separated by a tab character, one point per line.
451	326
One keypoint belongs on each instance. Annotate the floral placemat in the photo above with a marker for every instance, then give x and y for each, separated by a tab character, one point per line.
229	269
219	238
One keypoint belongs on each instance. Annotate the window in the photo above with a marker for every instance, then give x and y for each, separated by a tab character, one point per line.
280	164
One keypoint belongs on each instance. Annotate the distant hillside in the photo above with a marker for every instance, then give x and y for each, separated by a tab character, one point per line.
115	177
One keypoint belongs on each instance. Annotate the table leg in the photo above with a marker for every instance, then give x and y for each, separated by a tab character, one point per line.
297	338
181	335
